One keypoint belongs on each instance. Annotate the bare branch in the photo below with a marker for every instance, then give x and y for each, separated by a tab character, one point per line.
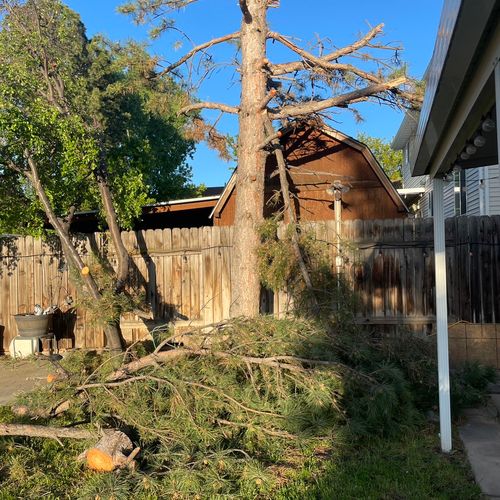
210	105
306	108
200	48
269	97
281	69
12	166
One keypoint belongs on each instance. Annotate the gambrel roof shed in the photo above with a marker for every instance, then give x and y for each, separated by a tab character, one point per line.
317	157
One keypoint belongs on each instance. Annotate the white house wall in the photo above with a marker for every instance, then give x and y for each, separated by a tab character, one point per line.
479	182
408	180
472	178
494	189
449	199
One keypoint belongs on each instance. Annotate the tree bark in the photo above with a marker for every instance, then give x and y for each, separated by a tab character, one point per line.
289	210
109	453
112	332
251	161
114	229
44	431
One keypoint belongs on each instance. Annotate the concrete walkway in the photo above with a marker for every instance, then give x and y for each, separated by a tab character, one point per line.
481	437
21	376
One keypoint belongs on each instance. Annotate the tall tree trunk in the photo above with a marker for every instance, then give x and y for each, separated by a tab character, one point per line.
251	160
112	221
112	331
290	211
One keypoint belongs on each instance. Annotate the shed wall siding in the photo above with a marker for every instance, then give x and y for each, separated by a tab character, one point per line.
315	161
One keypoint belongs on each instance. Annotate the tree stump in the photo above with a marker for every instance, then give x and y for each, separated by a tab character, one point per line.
114	450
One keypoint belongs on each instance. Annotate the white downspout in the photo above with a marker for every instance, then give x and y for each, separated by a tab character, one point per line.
441	315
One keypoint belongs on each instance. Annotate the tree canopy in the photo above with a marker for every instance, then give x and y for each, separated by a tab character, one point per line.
390	160
69	100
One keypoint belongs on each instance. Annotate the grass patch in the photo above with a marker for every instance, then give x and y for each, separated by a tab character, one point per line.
407	466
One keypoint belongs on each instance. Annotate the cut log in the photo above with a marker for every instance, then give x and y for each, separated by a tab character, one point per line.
44	431
114	450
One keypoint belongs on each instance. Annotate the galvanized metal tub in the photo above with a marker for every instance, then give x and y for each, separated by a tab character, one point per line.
32	325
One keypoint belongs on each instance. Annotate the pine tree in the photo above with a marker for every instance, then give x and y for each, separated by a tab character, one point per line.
278	94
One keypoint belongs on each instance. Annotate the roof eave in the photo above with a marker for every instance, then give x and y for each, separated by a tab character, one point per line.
458	48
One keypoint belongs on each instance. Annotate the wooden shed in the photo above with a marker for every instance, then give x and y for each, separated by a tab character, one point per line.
319	158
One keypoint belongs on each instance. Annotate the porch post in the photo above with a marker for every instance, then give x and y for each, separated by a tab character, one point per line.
441	315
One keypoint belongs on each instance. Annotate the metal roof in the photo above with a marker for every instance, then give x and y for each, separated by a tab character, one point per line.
406	130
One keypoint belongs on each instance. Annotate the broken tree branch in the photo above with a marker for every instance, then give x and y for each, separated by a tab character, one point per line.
269	97
210	105
199	48
307	108
281	69
270	432
290	363
54	411
285	192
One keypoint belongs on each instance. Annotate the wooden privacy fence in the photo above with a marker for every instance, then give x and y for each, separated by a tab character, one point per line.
186	273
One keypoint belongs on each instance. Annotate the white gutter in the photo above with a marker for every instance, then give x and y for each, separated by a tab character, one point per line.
185	200
410	191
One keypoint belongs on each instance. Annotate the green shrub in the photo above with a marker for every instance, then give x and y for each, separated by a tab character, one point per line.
469	384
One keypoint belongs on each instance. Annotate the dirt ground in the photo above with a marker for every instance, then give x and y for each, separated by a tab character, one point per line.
20	376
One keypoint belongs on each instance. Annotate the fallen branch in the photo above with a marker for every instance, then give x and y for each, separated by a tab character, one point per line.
291	363
111	452
146	361
270	432
186	382
45	431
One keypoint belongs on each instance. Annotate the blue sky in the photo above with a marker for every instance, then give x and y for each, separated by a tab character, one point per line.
408	23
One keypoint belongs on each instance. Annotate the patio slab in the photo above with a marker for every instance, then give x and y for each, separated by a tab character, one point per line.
481	438
21	376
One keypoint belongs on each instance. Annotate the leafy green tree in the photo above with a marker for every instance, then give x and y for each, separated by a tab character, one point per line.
84	124
390	160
